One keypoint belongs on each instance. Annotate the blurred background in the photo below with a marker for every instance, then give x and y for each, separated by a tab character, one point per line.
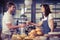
33	11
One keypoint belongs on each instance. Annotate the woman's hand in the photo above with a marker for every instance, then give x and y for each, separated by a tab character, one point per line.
34	24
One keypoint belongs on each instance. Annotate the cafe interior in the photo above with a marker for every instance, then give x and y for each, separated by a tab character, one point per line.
30	10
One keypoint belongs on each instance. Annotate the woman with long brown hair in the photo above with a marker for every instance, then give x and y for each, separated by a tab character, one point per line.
47	21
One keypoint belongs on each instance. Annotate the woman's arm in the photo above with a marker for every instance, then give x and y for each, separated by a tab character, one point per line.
35	24
38	24
51	24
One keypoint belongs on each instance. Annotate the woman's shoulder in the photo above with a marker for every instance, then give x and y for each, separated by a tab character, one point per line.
50	16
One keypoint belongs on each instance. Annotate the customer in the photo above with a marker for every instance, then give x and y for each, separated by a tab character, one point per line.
7	20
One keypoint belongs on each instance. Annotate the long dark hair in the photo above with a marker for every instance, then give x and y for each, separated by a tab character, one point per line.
47	9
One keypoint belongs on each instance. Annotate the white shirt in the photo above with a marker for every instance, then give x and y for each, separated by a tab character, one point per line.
50	16
7	18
